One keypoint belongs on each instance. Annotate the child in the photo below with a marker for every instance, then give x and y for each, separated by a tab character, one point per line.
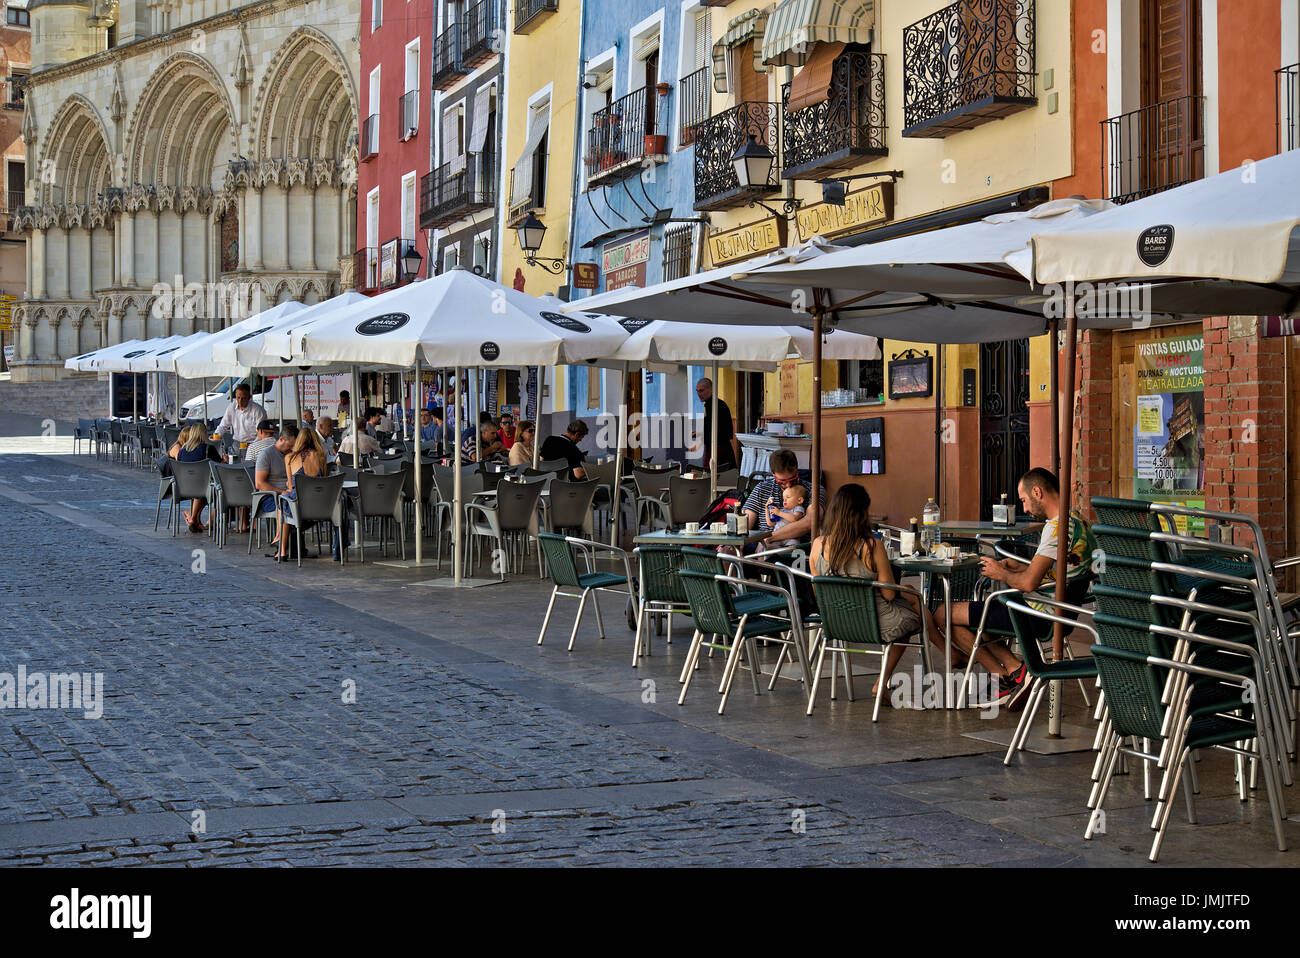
792	509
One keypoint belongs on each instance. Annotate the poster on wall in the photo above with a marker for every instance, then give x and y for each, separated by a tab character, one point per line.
1169	430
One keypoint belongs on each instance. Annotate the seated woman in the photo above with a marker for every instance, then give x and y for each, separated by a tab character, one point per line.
521	452
849	547
307	458
192	446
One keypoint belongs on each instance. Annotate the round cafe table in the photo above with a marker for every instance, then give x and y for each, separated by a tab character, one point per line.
944	569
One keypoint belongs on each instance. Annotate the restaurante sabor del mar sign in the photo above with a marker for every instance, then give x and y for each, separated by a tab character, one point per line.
874	204
742	242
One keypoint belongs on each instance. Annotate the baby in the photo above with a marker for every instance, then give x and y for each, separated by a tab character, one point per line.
792	509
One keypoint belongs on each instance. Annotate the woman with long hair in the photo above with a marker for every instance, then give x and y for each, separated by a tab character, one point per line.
521	453
307	458
848	547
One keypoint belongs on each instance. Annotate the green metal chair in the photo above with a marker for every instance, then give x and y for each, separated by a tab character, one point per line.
560	553
848	617
661	592
715	563
1041	672
1134	683
715	615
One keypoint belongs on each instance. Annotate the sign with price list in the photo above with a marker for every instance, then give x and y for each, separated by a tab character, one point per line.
1169	428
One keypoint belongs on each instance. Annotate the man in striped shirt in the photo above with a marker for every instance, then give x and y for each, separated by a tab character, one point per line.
767	496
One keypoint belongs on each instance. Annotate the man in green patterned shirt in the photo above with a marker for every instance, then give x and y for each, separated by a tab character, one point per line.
1040	497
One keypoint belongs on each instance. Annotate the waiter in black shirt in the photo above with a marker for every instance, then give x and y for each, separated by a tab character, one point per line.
566	447
726	429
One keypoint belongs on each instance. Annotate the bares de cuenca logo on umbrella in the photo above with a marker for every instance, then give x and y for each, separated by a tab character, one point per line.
717	345
566	322
378	325
489	351
1155	243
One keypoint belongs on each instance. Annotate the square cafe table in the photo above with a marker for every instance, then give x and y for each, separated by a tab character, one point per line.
943	568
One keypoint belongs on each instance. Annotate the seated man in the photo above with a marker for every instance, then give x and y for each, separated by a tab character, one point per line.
488	445
266	430
374	415
369	445
328	437
308	419
430	431
566	447
1040	497
768	496
269	473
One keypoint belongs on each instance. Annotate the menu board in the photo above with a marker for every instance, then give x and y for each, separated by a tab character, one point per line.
865	441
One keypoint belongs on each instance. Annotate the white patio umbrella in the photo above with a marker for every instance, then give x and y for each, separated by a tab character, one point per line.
86	361
213	357
455	319
268	350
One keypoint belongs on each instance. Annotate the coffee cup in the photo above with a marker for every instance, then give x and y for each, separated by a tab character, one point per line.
692	528
719	528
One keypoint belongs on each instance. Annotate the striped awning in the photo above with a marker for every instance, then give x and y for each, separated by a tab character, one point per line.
749	25
796	25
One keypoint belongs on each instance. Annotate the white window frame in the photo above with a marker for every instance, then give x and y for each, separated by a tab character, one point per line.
411	84
452	249
686	43
408	211
458	107
376	14
372	218
542	99
482	241
603	64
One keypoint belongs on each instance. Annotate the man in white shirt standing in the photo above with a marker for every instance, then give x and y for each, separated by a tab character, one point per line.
242	416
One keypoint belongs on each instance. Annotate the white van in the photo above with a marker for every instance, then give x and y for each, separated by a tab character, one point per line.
266	393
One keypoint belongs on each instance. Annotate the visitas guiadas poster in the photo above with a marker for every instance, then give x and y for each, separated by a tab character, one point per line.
1169	431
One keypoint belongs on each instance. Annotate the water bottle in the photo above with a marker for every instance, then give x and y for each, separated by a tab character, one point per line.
929	525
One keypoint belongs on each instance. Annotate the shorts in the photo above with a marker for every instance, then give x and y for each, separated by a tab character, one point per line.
999	620
268	504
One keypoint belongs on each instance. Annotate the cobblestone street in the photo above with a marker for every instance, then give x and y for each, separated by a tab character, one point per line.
263	715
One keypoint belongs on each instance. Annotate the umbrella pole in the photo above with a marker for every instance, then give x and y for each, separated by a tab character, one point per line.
204	386
618	455
457	547
1063	516
419	501
176	397
537	426
815	504
713	438
1056	396
280	386
938	419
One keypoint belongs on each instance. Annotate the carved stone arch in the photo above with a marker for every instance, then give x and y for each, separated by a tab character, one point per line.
175	109
284	111
77	143
284	286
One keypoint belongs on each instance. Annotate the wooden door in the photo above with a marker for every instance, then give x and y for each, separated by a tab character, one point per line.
1172	129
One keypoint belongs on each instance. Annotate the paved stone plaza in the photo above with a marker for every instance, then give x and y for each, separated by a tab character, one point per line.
259	714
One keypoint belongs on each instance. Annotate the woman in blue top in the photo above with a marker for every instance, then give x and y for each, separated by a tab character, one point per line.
192	446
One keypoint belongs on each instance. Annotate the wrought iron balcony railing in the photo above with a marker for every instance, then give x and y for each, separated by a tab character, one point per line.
842	129
479	40
1288	108
694	92
14	199
365	269
534	200
1154	148
529	12
395	273
408	109
716	141
971	62
622	137
370	136
447	68
457	189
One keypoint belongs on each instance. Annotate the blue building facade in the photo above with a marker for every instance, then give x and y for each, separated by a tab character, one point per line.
644	85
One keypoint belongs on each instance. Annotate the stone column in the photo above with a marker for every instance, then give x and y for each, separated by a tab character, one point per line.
27	339
180	242
157	246
126	271
311	227
115	325
288	203
251	228
38	264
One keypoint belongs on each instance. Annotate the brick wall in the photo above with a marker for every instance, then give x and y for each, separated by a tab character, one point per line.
1092	419
1245	436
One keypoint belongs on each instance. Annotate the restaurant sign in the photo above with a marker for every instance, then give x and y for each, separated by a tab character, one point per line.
584	275
866	207
388	264
748	240
624	262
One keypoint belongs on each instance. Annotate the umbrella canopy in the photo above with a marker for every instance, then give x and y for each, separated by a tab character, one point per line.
1239	226
259	350
86	361
965	261
163	360
130	360
744	347
455	319
200	359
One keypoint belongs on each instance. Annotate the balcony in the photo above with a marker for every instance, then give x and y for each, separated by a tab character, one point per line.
14	199
447	67
479	41
1154	149
535	200
845	128
370	136
365	269
967	64
694	95
1288	107
623	137
449	193
391	269
408	109
716	141
528	13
